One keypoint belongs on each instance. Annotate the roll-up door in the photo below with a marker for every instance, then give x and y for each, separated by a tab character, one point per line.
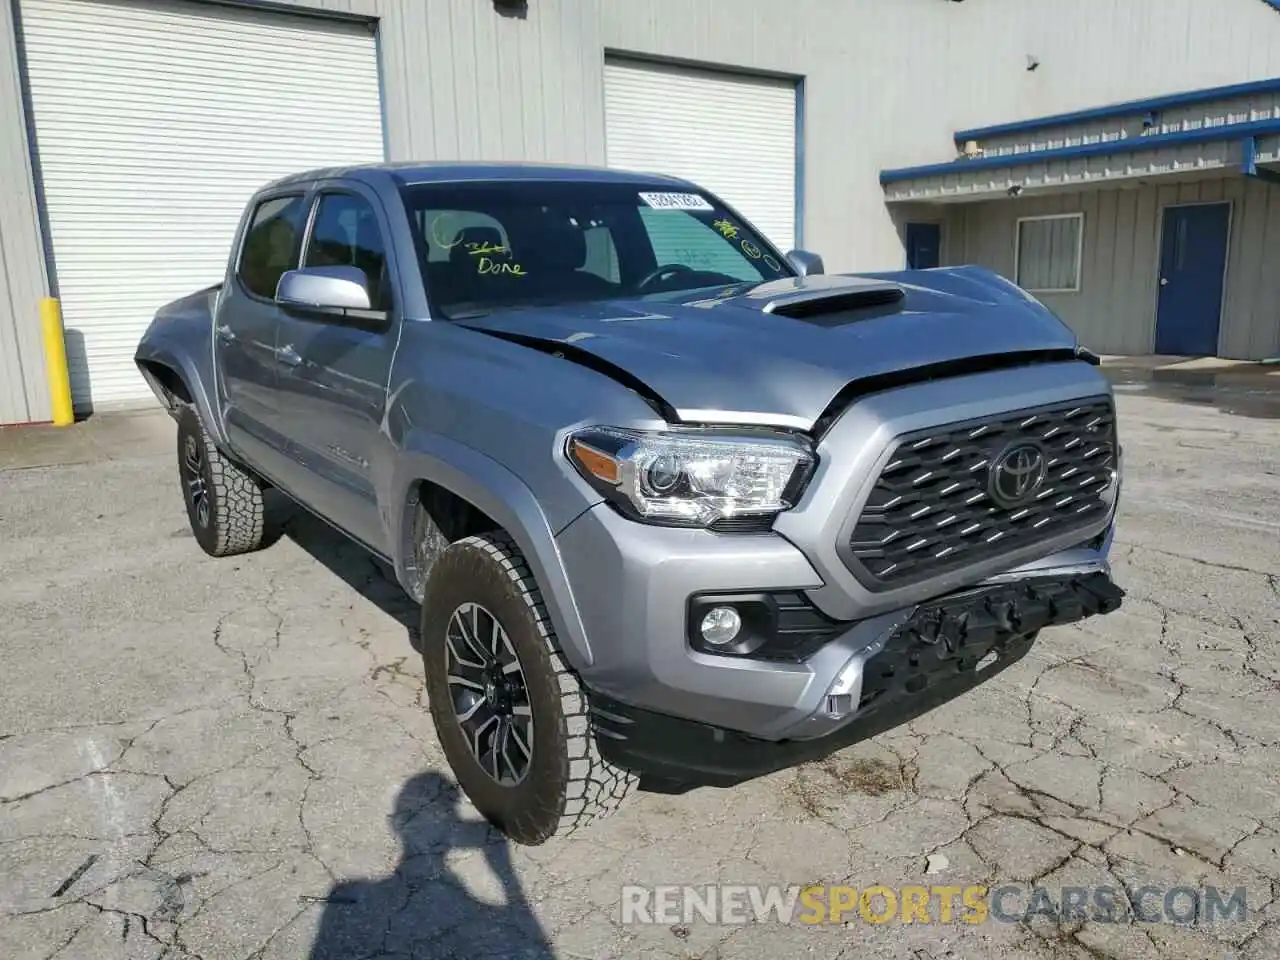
732	134
154	122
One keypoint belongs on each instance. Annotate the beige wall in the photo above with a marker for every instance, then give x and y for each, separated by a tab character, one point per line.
1115	309
24	393
885	84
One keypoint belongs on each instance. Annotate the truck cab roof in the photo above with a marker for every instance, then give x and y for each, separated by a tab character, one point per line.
416	172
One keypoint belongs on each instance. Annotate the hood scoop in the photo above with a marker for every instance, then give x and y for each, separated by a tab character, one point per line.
832	306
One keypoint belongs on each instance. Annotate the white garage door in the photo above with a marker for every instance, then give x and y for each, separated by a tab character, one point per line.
733	135
154	122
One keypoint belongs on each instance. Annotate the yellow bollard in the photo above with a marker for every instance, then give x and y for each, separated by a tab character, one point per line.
55	359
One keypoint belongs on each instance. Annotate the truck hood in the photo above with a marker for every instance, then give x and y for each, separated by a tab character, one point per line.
778	353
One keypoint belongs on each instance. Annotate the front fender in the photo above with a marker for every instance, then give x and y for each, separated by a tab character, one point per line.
181	338
503	496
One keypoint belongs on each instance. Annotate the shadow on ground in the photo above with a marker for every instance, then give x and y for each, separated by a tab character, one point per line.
454	891
443	900
354	565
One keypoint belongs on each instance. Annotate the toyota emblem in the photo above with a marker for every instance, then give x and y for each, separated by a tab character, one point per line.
1016	474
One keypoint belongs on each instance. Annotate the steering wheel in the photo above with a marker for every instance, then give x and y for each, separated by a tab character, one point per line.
662	271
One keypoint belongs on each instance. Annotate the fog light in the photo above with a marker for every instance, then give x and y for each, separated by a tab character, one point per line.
720	626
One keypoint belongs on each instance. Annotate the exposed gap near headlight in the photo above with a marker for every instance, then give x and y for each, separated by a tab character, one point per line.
860	389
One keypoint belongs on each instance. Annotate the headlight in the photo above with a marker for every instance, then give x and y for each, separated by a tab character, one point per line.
691	480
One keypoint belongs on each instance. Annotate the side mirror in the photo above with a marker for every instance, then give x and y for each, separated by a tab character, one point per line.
338	293
805	262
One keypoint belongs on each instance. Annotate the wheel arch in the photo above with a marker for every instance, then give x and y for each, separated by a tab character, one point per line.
175	379
471	492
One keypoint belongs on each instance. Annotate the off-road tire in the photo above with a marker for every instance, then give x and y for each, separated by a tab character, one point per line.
234	520
568	784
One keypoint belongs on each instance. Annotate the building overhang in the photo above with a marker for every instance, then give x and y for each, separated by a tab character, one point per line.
1222	131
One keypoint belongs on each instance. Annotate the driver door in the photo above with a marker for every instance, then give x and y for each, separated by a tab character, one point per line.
332	381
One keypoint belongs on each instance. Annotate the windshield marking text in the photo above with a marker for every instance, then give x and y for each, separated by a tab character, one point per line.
486	266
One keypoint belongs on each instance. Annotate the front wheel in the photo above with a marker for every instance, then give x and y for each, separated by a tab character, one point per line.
224	503
511	716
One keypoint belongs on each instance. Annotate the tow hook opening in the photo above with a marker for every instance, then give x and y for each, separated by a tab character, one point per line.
967	633
845	691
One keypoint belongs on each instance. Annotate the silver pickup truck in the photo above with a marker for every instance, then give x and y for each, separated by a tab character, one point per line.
680	510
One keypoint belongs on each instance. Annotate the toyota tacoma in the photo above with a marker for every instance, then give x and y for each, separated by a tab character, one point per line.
680	509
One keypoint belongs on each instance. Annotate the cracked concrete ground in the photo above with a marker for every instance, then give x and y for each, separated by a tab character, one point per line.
231	759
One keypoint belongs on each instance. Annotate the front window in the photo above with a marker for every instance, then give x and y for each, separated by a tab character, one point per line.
346	233
495	246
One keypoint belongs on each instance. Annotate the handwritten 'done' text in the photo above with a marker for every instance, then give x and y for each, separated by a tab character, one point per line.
488	267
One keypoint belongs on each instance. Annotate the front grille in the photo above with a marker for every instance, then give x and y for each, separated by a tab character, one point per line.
933	509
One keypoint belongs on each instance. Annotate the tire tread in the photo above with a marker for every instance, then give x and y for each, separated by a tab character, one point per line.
596	788
239	519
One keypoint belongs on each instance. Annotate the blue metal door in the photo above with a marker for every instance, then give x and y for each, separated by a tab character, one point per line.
924	243
1193	258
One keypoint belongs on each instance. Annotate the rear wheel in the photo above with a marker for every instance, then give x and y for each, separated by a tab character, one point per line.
224	503
511	716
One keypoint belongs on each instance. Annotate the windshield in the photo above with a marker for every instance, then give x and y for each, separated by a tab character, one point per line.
495	246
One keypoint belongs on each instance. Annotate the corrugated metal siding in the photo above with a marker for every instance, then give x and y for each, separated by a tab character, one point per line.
24	394
1115	309
951	250
657	117
1031	174
155	122
1251	315
1056	175
885	85
462	82
459	82
1268	149
852	92
1197	116
1090	52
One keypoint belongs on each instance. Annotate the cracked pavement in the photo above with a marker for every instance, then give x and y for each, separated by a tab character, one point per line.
232	759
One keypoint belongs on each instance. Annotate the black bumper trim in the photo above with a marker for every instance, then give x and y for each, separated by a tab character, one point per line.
931	659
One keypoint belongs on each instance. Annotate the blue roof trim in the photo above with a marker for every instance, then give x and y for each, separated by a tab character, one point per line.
1229	131
1127	108
1272	3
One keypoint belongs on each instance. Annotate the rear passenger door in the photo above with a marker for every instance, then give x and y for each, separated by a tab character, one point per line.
332	381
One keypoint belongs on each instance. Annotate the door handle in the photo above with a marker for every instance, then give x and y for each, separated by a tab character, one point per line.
287	354
1164	282
225	333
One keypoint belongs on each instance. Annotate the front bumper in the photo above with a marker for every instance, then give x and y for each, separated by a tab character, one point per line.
942	650
631	584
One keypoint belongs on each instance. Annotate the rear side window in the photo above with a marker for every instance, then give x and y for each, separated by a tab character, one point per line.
271	244
347	234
